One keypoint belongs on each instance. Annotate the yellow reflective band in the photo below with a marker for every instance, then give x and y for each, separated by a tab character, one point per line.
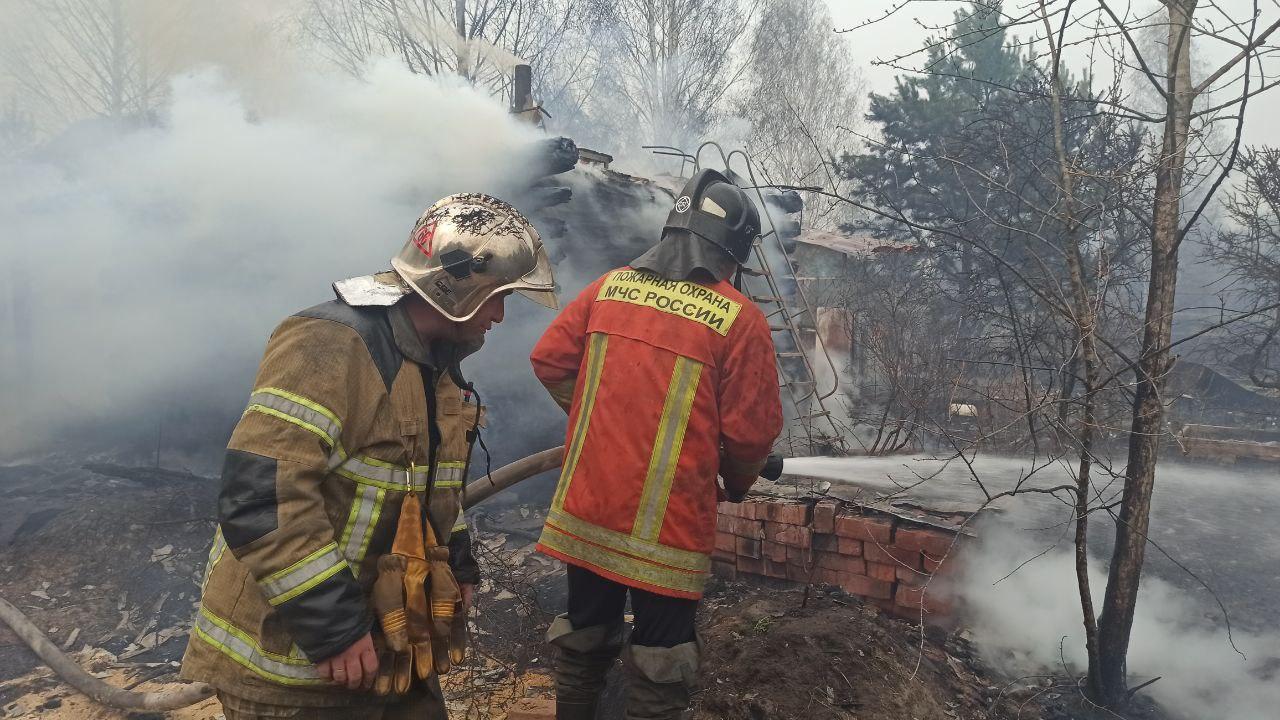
245	651
629	567
596	349
366	507
215	554
378	473
666	448
681	298
449	474
284	585
293	408
305	402
687	560
328	439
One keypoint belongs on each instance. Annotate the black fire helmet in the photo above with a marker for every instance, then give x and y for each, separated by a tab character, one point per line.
715	209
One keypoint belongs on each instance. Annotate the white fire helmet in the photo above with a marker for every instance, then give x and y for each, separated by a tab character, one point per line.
463	250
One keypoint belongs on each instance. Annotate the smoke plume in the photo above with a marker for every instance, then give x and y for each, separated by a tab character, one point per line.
146	266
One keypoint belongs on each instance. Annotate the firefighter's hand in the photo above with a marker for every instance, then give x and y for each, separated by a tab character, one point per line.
468	592
355	667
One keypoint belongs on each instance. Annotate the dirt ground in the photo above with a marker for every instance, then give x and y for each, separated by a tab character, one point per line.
770	653
107	561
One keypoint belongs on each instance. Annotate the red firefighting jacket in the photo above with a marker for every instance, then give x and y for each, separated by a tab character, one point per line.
667	383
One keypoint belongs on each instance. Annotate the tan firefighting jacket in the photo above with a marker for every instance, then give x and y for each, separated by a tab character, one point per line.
338	425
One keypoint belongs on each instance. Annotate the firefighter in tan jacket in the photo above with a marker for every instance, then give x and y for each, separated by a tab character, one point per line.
341	569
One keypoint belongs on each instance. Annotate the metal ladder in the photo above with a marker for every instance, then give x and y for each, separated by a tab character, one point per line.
811	429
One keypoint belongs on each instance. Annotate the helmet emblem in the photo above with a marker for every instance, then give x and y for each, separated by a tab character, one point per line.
424	235
682	205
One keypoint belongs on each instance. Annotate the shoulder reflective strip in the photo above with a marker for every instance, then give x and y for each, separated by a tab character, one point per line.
366	507
681	298
300	411
686	560
628	567
666	448
303	575
244	650
379	473
215	554
596	349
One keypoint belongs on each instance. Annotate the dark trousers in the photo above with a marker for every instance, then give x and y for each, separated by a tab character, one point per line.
660	620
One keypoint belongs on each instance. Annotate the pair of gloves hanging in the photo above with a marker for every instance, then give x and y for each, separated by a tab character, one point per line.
419	605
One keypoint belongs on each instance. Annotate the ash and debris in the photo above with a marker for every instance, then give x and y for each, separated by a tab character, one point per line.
108	561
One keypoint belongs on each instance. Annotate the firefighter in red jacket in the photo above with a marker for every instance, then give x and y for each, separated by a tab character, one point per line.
669	378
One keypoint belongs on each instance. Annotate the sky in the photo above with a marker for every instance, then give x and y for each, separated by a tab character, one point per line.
906	28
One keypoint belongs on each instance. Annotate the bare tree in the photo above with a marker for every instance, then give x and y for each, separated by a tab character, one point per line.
1071	222
1248	258
480	40
802	94
669	66
85	58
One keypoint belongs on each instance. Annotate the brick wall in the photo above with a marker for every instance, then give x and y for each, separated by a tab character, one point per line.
890	560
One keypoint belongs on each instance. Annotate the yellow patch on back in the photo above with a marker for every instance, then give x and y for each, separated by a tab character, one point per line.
683	298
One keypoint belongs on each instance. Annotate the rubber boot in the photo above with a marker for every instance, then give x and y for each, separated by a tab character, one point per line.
660	681
583	659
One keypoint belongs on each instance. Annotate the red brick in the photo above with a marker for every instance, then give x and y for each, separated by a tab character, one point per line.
775	551
747	528
798	574
914	578
748	548
728	509
827	542
842	563
824	516
864	528
913	597
867	587
775	569
726	542
784	533
755	510
799	556
532	709
724	523
881	572
724	570
751	566
891	556
935	542
789	513
850	547
941	566
828	576
722	556
796	536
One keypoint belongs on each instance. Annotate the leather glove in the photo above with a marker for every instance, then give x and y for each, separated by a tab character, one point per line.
400	600
395	662
448	621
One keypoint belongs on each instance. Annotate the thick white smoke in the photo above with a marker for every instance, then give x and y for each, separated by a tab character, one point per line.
1020	623
146	266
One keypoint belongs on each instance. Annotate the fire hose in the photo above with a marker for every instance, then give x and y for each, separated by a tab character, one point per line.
179	695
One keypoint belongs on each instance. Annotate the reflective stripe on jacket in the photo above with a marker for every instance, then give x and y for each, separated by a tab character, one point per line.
660	378
336	430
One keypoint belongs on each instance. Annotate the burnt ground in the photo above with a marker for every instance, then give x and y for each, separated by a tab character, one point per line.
113	556
102	561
